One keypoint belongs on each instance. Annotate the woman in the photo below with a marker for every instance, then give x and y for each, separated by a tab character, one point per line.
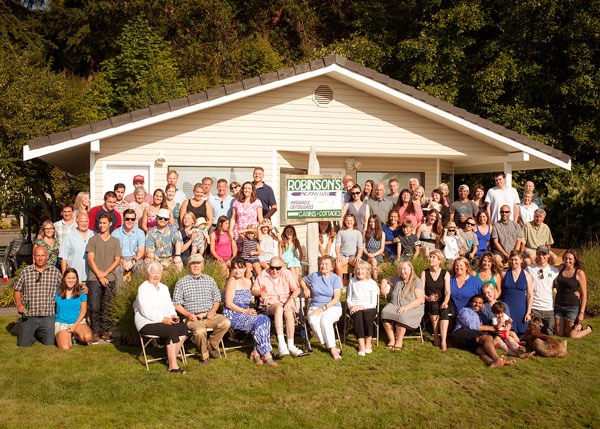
430	232
348	244
479	197
527	208
489	272
418	197
47	239
156	315
437	297
188	235
483	231
361	300
446	201
368	190
173	205
406	307
82	204
374	241
517	292
247	209
235	187
408	210
326	238
571	298
139	204
324	288
159	201
463	285
197	205
237	310
358	208
392	231
71	307
437	198
490	296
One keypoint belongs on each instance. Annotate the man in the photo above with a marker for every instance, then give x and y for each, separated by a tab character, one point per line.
469	241
535	199
72	249
543	275
378	204
394	194
66	224
133	246
34	293
506	236
221	203
163	243
264	193
535	234
413	184
498	196
278	290
104	256
207	183
197	298
463	206
121	205
138	180
108	207
348	185
172	178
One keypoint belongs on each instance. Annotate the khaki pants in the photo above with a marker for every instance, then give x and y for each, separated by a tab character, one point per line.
219	324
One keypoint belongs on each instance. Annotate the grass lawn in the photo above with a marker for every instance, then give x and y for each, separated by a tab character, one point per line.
106	386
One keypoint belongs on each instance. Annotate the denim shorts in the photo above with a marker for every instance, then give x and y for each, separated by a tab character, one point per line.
568	312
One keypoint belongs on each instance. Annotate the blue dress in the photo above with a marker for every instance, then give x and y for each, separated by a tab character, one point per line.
259	326
483	241
514	295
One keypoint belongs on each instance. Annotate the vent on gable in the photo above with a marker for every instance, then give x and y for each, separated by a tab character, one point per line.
323	95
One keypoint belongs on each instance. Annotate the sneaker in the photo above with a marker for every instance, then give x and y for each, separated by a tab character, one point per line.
367	351
282	350
95	339
295	351
362	353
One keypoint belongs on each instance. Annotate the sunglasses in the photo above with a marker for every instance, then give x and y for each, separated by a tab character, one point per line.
275	268
221	204
130	219
234	187
39	277
451	230
162	218
504	211
469	223
355	193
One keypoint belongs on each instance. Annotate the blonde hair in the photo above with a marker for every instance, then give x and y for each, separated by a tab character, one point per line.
79	200
440	255
409	286
363	266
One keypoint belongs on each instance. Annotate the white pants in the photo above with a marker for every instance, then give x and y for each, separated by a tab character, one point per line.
322	324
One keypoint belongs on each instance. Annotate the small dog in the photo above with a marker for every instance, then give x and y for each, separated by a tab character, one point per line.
543	344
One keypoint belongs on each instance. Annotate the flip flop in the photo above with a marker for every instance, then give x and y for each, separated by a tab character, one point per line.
178	371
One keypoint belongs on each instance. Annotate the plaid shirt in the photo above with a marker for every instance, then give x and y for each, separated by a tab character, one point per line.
196	294
39	289
121	206
162	244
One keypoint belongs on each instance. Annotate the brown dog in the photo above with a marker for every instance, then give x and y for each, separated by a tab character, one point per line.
543	344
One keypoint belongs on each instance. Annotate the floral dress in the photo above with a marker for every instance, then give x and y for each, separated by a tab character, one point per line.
257	325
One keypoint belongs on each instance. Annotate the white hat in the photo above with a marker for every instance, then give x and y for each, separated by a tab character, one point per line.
164	213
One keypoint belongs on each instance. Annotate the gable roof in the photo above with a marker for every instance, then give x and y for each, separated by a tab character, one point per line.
49	147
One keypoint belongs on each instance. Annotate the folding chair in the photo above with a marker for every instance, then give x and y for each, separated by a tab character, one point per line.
349	324
307	330
147	339
221	344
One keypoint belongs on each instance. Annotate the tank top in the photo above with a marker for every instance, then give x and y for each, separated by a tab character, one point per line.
223	246
435	286
358	214
199	211
491	281
483	240
565	290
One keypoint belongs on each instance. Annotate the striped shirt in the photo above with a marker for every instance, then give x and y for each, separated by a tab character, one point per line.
39	289
196	294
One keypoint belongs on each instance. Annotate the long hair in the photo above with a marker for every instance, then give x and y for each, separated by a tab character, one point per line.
62	289
219	230
79	201
376	231
364	194
163	204
578	262
242	198
410	207
496	267
437	227
330	231
409	287
294	238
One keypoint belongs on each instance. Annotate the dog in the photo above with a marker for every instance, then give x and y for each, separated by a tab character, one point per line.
543	344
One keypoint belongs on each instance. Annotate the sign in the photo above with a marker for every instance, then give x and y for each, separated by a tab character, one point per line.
314	197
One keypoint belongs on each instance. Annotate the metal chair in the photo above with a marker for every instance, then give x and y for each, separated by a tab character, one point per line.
147	339
349	323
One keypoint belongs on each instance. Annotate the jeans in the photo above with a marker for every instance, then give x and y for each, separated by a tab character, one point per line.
43	326
98	300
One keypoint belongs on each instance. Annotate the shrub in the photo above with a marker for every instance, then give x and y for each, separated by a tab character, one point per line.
7	297
389	269
590	254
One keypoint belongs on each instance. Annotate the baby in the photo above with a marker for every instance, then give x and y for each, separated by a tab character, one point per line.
200	231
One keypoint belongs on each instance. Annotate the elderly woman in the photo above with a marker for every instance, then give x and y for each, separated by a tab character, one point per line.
237	309
47	239
406	307
156	315
362	297
324	288
437	297
139	204
71	307
463	285
517	292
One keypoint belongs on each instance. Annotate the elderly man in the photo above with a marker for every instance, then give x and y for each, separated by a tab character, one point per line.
66	224
536	233
413	184
264	193
197	298
378	204
500	195
72	249
543	275
222	203
535	199
278	290
163	243
172	178
34	293
108	207
133	246
506	236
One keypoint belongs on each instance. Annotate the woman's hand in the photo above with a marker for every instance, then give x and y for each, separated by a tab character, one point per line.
444	305
316	312
356	308
250	311
401	310
167	321
71	329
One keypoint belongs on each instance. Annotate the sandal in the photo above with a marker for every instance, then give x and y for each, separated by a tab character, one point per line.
270	362
178	371
589	326
390	346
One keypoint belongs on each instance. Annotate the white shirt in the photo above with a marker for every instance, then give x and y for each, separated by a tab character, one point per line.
362	292
179	196
497	198
542	287
151	305
526	212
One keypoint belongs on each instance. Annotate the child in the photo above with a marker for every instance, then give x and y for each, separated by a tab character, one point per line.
409	240
326	238
201	230
250	250
290	250
269	243
222	245
502	322
451	242
374	242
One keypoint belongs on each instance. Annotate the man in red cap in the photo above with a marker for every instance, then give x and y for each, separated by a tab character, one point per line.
138	180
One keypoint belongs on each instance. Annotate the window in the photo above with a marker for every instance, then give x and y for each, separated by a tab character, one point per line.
384	177
189	176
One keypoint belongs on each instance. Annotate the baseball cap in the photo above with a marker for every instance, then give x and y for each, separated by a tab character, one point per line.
138	178
196	258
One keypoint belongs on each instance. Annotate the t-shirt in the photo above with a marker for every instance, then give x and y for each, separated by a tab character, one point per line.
497	198
543	278
104	254
349	240
68	309
322	288
468	208
95	214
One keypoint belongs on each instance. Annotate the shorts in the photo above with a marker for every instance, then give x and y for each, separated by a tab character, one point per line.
568	312
58	326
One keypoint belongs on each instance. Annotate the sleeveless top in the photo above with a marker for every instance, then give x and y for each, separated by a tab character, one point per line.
483	241
565	290
358	214
433	287
373	245
199	211
491	281
223	246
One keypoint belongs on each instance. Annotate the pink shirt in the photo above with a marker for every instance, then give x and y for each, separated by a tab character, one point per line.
277	291
246	214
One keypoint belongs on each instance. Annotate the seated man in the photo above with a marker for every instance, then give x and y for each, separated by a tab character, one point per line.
278	290
506	236
197	298
535	234
163	243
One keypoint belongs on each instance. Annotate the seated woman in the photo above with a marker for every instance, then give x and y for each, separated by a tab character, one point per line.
237	310
463	285
71	307
406	307
490	272
348	244
324	288
361	299
374	242
437	297
156	315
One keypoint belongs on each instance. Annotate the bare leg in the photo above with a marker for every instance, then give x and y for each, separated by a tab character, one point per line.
387	327
580	332
559	328
400	331
63	340
368	343
361	345
84	333
434	322
172	350
289	323
443	325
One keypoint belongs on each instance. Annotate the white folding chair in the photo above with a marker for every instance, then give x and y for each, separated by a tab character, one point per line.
147	340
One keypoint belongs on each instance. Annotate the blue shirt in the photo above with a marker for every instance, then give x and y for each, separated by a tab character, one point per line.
467	318
72	250
68	309
221	207
461	296
392	249
322	288
130	243
266	196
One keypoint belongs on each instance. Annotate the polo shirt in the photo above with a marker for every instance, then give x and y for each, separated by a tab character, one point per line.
278	289
130	243
267	197
221	207
72	250
536	236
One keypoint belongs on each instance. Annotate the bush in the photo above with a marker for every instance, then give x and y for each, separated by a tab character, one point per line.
7	297
389	269
590	254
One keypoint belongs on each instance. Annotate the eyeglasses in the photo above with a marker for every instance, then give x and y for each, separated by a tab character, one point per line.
275	268
504	211
131	219
162	218
355	193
